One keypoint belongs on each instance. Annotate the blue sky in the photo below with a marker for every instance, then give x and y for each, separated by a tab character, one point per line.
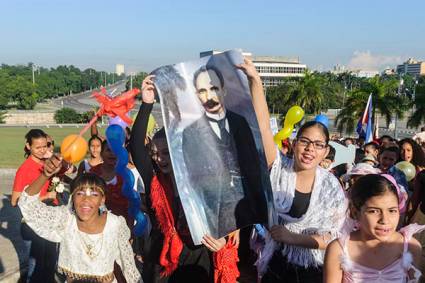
144	35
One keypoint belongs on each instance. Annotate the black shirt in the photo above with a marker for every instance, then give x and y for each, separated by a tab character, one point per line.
299	204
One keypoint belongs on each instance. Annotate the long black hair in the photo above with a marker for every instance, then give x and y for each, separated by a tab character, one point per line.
418	155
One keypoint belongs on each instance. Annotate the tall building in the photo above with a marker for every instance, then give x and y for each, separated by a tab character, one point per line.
272	69
412	67
119	69
339	69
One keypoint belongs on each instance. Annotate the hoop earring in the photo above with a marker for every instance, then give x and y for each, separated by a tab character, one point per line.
102	209
72	209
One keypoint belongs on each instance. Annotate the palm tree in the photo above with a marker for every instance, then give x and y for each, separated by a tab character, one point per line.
418	115
385	101
308	93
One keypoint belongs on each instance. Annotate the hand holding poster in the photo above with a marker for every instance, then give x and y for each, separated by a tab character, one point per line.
215	145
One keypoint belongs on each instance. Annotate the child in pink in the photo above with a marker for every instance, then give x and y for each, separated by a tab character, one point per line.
376	252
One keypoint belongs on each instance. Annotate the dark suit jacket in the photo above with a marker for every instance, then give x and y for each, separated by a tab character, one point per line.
227	207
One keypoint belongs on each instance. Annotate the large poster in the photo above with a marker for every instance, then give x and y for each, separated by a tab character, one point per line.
215	145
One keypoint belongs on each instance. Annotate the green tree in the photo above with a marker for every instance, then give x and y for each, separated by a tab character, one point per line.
4	96
22	93
67	116
308	94
418	116
18	89
2	116
385	101
278	96
137	80
89	79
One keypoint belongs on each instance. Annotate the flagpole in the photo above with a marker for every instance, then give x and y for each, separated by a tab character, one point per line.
396	116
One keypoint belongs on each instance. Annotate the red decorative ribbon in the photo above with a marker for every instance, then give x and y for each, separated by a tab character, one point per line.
225	262
173	245
116	106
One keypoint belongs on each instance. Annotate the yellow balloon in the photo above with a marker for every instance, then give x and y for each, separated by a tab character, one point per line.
278	142
282	135
74	148
293	116
151	125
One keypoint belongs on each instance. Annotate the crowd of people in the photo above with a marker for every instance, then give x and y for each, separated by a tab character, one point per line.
359	222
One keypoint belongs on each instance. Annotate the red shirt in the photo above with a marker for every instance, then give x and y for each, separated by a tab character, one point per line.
27	173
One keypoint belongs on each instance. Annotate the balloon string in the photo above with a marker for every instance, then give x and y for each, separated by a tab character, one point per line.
89	124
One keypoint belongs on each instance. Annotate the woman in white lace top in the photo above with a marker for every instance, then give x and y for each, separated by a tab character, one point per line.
309	202
91	240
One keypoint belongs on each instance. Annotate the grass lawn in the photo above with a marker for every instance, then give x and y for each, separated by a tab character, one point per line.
13	141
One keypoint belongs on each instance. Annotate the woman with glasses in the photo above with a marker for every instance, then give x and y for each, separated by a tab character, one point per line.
309	202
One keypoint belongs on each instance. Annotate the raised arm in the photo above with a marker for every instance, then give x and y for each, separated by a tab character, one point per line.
261	109
93	129
52	166
139	152
15	197
48	222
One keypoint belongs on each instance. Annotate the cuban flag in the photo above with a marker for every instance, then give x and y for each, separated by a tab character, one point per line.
364	126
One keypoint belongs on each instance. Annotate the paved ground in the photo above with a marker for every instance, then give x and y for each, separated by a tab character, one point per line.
12	259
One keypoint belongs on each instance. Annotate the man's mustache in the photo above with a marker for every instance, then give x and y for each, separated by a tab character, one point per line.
210	103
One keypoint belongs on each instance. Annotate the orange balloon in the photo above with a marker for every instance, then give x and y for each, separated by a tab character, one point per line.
74	148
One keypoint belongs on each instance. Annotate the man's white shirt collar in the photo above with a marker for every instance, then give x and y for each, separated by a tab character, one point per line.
214	125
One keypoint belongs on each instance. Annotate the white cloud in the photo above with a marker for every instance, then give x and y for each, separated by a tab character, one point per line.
365	60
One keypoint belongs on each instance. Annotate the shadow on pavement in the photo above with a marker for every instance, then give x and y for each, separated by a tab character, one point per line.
10	223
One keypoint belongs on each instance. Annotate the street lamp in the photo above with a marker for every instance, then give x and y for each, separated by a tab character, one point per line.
414	90
33	67
131	80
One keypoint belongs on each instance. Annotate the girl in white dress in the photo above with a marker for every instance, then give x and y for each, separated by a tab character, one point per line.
91	240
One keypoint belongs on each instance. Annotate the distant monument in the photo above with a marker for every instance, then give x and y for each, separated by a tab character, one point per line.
119	69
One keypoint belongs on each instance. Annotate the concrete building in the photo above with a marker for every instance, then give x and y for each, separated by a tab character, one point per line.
365	73
272	69
388	71
339	69
412	67
119	69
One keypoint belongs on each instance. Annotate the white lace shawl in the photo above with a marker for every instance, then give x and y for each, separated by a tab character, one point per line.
325	215
58	224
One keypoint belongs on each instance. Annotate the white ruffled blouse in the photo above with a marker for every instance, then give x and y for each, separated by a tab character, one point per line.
58	224
325	214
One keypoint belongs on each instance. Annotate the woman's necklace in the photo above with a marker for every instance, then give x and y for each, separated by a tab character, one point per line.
91	248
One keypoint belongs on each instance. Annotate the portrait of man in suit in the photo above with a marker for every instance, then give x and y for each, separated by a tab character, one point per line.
222	161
